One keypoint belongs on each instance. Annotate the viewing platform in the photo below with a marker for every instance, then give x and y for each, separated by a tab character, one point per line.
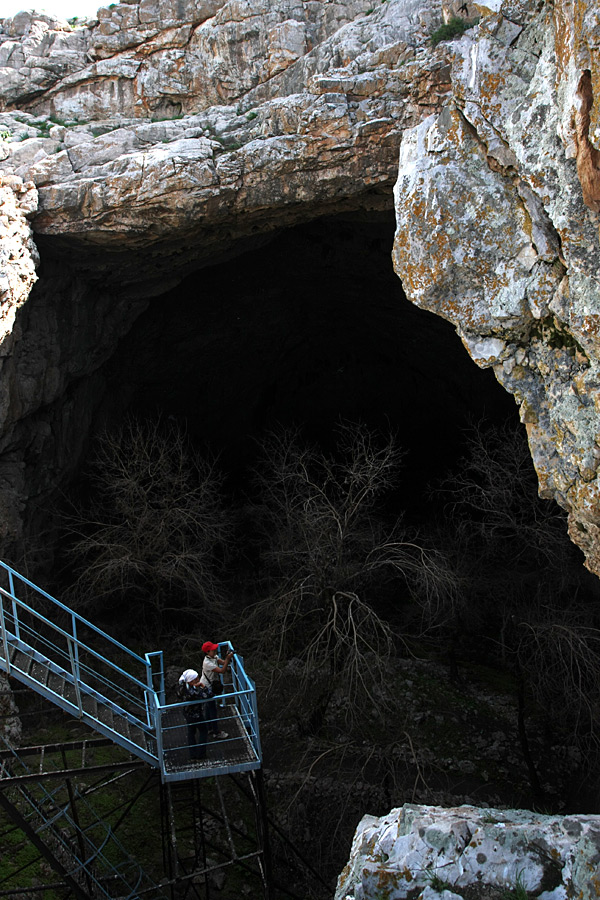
120	694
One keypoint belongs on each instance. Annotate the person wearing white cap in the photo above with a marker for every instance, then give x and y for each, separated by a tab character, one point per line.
190	688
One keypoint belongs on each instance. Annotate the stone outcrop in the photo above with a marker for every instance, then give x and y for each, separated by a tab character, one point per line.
430	853
273	106
155	141
497	202
18	261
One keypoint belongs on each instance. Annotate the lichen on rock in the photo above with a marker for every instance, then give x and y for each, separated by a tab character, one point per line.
471	852
497	231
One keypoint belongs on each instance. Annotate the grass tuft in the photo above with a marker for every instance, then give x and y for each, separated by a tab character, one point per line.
454	28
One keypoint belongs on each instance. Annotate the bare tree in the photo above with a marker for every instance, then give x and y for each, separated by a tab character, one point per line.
153	525
499	539
329	562
522	592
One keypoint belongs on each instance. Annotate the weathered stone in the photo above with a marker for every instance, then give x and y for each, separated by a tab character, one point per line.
271	113
494	234
396	856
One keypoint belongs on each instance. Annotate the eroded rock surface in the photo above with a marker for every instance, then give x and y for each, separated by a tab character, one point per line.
497	202
263	107
158	141
423	852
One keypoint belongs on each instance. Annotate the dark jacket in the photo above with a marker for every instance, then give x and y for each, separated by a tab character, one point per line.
187	692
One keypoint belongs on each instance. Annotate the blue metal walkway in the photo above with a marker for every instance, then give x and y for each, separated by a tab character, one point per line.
121	695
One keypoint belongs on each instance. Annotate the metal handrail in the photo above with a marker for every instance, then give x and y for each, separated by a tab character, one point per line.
72	637
12	573
141	702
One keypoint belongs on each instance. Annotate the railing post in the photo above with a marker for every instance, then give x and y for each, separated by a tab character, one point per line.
255	732
75	646
4	640
159	735
155	674
11	588
74	657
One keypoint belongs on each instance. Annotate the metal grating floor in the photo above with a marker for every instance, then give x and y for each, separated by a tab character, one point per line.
231	752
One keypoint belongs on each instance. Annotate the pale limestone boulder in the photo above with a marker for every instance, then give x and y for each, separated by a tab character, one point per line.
396	856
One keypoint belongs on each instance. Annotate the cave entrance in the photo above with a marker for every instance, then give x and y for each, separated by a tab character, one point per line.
308	329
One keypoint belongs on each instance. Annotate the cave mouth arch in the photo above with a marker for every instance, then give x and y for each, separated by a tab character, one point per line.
307	329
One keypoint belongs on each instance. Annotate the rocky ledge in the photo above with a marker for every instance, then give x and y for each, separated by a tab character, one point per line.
466	853
154	142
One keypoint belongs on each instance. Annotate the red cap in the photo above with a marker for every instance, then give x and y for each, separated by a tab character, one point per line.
208	647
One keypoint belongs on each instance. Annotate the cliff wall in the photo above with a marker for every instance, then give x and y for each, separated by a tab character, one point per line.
143	144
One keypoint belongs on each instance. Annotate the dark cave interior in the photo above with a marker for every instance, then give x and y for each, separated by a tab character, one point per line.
311	328
305	329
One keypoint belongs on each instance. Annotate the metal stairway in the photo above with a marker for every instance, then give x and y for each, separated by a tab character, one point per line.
80	699
79	846
117	692
121	695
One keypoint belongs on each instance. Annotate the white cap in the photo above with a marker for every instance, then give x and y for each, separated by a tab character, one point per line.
188	676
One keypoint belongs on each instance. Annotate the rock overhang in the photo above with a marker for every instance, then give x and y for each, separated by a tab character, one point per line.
156	145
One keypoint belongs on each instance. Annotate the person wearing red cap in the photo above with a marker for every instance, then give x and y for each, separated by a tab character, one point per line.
212	667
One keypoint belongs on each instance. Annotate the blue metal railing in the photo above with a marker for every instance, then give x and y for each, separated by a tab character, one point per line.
234	711
49	649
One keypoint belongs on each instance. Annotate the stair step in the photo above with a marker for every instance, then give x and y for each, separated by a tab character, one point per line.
122	726
39	672
21	661
90	705
105	715
56	683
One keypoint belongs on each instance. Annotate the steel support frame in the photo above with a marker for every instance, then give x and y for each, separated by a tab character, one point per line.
184	872
186	877
42	848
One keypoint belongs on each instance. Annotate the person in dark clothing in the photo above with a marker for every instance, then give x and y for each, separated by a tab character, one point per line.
190	688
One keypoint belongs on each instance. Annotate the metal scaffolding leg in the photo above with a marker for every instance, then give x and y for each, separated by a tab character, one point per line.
200	861
42	848
187	809
209	826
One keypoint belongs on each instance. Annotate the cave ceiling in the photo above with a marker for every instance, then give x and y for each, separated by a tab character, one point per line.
149	145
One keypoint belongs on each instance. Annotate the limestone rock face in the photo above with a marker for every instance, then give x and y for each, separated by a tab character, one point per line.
497	211
18	260
482	852
158	137
258	106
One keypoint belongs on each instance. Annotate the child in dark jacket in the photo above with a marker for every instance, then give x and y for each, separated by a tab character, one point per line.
190	688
